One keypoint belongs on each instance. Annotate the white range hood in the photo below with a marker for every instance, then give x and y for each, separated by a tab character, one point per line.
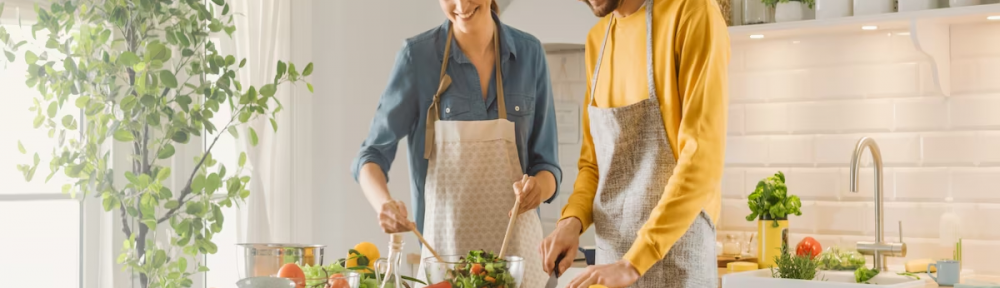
552	21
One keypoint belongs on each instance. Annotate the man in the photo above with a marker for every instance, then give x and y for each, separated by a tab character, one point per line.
654	139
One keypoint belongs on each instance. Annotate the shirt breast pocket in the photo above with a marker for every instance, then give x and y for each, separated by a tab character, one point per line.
454	107
520	105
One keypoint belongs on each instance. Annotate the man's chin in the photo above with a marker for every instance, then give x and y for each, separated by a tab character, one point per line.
603	7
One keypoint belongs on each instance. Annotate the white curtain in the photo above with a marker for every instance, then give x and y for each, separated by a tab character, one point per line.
262	37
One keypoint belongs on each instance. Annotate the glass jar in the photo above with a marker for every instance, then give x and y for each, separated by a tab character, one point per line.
731	247
393	264
756	12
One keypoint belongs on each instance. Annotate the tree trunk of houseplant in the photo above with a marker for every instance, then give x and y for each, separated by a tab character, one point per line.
772	233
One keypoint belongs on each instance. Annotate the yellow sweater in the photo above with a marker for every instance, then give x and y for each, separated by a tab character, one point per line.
691	57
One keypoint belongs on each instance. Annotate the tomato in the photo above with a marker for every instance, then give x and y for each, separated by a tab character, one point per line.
444	284
477	269
809	246
337	281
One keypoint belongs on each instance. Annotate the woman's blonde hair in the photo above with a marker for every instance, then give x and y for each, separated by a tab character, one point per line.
494	7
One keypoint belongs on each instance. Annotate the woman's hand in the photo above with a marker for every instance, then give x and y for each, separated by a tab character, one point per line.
618	274
392	217
530	194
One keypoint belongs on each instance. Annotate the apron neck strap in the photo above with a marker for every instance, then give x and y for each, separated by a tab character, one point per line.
649	54
501	105
433	113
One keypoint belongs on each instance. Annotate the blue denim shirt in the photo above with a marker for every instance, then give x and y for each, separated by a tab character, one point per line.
402	110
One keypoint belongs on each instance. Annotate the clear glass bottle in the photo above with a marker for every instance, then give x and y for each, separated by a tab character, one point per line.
394	264
756	12
731	247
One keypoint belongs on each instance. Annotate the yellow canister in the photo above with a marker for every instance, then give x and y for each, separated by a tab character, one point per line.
770	239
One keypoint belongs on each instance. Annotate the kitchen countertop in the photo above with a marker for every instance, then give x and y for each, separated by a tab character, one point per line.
577	269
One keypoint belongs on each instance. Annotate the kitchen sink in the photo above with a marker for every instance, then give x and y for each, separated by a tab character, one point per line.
828	279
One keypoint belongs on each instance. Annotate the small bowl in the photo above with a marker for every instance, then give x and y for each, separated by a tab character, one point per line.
347	279
265	282
450	268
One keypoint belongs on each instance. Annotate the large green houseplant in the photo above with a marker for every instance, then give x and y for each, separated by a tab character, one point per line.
144	72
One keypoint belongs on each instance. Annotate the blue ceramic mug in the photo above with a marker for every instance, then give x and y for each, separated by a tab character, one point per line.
947	272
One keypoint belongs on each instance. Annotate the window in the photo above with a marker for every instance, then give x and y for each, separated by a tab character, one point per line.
39	223
223	270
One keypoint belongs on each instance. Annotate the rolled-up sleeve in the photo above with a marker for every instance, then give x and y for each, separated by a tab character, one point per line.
395	116
543	145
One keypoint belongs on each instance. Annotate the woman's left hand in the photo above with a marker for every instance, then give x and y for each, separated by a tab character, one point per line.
530	194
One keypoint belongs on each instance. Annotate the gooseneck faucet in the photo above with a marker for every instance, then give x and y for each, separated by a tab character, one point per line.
878	249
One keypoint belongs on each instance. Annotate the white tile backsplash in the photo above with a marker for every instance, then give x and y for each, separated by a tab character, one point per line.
926	184
766	118
950	148
793	150
975	112
921	114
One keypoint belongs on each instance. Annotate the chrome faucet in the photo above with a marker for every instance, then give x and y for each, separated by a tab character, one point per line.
878	249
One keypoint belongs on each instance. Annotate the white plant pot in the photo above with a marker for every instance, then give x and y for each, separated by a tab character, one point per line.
963	3
869	7
826	9
916	5
789	11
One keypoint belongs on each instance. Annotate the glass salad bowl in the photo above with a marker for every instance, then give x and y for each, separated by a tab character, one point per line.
478	269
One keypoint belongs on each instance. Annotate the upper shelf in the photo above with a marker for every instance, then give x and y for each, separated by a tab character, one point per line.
888	21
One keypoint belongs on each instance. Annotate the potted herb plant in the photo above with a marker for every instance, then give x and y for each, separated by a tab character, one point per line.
770	206
789	10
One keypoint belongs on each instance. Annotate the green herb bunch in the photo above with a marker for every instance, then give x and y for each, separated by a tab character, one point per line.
789	266
863	274
771	199
773	3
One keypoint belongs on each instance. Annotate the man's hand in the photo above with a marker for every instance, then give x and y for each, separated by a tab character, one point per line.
618	274
392	217
530	194
563	241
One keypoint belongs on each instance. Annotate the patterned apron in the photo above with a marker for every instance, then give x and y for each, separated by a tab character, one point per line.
472	166
635	162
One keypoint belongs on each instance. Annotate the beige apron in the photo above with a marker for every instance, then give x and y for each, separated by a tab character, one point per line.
635	163
472	166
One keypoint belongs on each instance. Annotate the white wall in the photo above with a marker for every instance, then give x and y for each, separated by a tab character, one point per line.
799	106
354	47
552	21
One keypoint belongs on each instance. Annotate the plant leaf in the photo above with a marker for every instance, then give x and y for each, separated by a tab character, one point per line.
20	147
234	132
310	86
123	135
268	90
274	125
243	159
166	152
253	137
128	59
168	78
163	174
308	71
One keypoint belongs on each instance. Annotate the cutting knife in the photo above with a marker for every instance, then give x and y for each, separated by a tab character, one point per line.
554	278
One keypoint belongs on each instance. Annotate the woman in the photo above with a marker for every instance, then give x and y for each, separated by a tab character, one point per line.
474	99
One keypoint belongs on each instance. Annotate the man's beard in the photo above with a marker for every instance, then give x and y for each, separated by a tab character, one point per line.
605	8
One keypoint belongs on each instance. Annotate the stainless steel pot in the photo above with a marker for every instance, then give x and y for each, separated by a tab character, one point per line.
265	259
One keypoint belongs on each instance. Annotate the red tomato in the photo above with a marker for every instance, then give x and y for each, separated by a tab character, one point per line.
444	284
337	281
809	246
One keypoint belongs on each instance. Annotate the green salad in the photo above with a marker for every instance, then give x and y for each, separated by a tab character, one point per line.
481	269
840	260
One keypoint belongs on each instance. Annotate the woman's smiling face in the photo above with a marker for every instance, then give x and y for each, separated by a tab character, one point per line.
468	15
